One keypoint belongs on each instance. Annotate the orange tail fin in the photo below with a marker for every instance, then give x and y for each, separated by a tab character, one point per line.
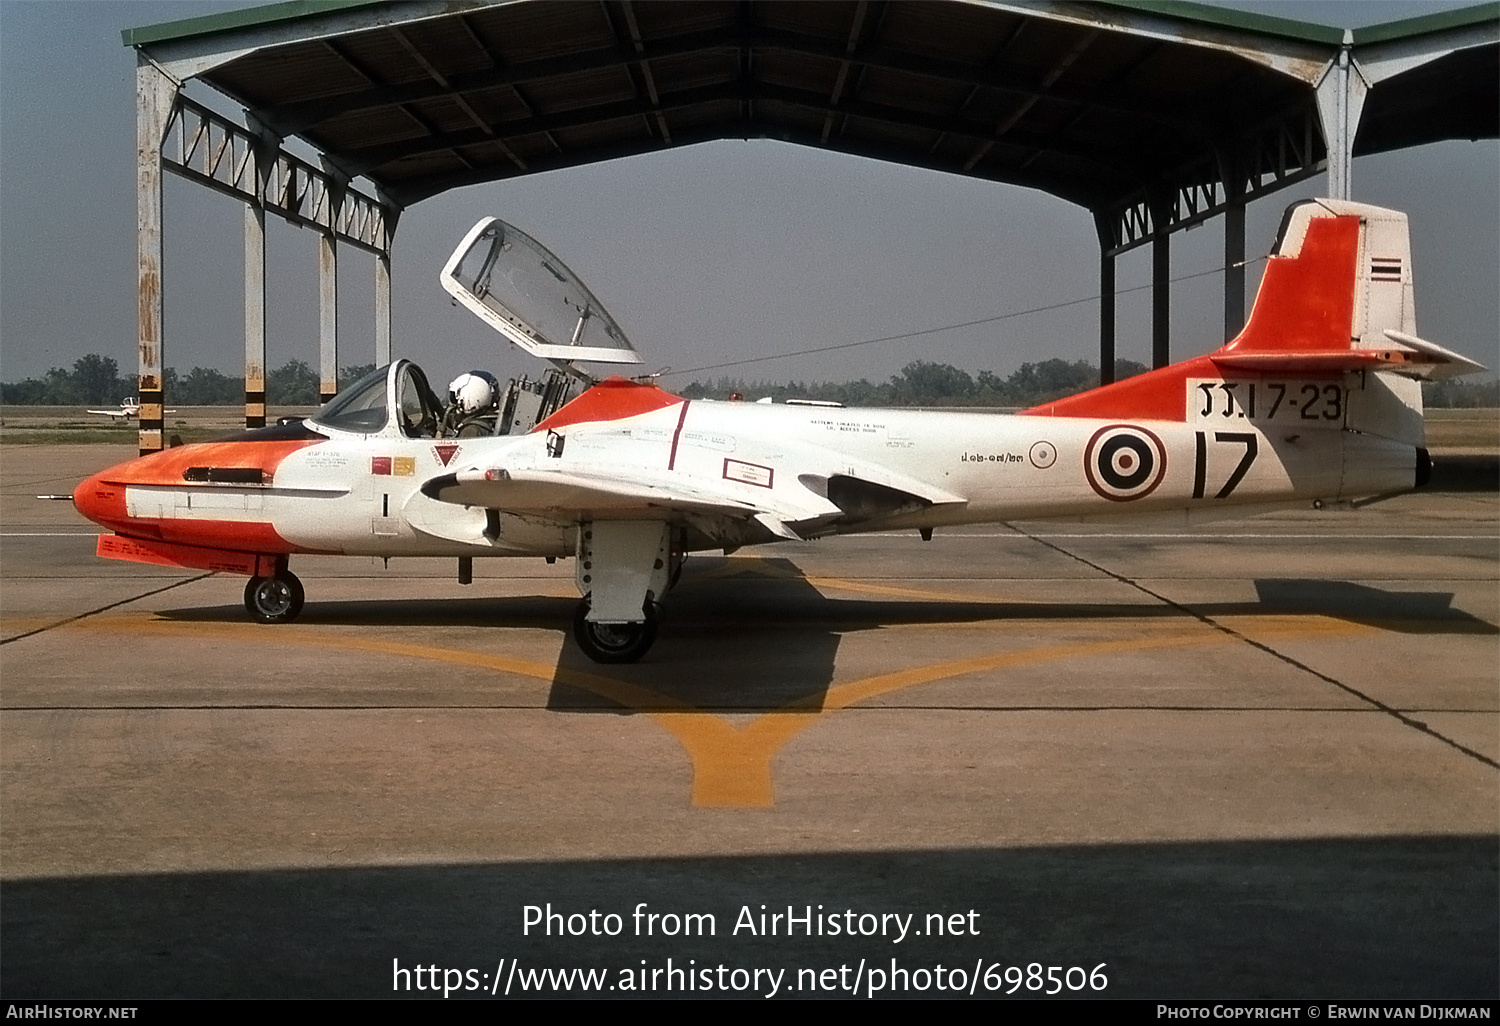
1336	297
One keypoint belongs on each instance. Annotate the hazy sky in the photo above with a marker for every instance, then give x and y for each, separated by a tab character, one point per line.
718	252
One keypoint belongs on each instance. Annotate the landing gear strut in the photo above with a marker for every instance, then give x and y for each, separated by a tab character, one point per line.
275	599
623	567
615	642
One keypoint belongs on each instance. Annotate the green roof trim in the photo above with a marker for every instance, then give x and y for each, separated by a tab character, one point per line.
1245	21
1422	25
248	17
1182	10
291	10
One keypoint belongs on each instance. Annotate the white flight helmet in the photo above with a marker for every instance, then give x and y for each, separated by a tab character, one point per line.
473	391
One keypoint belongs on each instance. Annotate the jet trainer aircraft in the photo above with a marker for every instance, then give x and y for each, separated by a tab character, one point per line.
1317	401
128	408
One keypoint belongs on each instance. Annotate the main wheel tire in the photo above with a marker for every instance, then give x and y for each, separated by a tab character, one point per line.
274	599
615	642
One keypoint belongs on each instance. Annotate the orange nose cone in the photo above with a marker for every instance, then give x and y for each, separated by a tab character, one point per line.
101	501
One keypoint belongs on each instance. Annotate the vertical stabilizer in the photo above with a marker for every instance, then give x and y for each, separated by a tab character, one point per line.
1336	302
1384	298
1339	278
1306	299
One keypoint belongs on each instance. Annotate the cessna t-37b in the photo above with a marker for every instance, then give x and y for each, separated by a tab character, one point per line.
1318	400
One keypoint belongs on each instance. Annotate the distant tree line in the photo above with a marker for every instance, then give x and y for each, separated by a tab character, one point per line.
939	384
1458	394
96	380
931	384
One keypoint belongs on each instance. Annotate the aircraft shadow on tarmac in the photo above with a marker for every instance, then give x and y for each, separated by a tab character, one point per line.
756	636
1409	612
1372	917
1465	473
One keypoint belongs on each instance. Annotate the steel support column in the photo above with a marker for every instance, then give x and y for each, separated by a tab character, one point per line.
255	315
175	133
1103	226
1341	96
382	309
1106	318
1234	269
263	146
154	95
328	317
1161	296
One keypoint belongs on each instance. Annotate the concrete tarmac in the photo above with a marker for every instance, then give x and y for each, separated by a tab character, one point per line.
1256	758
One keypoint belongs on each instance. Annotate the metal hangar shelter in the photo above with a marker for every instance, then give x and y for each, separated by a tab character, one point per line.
1154	115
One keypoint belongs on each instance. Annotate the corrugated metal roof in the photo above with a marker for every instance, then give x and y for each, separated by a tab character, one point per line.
1079	100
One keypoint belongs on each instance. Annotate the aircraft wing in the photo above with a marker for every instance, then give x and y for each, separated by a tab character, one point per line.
575	493
114	413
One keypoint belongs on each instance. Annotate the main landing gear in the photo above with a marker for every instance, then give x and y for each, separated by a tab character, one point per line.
275	599
622	570
615	642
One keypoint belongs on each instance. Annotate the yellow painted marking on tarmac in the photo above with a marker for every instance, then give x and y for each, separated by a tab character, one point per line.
840	584
732	765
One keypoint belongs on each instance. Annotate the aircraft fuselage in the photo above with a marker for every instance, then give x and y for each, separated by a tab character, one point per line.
823	470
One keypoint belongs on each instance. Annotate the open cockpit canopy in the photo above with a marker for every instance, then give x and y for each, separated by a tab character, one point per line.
521	289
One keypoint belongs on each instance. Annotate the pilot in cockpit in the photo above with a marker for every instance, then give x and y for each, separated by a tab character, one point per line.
473	405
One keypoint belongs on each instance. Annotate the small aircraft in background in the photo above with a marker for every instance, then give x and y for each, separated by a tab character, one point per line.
1317	401
129	408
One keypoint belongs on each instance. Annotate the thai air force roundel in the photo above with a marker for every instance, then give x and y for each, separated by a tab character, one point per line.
1124	463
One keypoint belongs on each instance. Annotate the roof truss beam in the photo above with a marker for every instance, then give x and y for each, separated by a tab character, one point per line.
1298	58
856	33
361	161
434	185
298	117
643	64
1269	157
185	56
208	148
294	119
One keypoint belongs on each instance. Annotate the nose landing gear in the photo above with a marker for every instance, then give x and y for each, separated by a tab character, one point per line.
275	599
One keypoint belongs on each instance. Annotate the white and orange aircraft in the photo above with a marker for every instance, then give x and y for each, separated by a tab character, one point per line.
1317	401
128	408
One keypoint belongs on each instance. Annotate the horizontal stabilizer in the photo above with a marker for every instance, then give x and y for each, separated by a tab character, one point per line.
1314	362
1443	363
1409	355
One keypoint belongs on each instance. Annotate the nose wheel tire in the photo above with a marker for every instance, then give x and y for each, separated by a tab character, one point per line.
274	599
615	642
